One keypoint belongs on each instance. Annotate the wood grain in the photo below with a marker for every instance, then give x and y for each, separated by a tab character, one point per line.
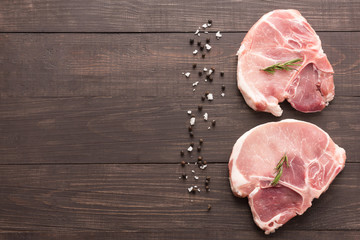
147	130
130	198
137	65
199	234
166	16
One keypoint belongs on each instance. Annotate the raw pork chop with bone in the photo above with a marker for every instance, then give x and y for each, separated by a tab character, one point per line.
281	167
281	58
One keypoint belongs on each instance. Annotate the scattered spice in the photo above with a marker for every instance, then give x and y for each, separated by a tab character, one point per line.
218	35
201	141
183	163
192	121
209	207
206	115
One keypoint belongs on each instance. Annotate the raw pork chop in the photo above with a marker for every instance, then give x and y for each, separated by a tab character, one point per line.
281	36
314	161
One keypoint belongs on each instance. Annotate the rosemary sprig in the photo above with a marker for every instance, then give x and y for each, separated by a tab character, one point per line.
279	169
282	66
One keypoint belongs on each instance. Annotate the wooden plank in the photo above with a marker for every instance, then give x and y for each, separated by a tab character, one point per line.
134	65
147	130
135	197
199	234
165	16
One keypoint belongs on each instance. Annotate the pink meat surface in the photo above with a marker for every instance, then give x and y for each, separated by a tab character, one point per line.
314	160
280	36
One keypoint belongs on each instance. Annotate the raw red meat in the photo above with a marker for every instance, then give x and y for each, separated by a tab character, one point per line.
280	36
314	160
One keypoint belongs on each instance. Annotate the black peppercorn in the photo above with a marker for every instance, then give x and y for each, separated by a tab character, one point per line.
190	128
203	55
223	87
198	148
202	98
191	134
201	141
200	107
207	178
208	40
213	123
222	73
191	41
194	65
200	158
183	163
210	79
192	144
201	48
200	74
199	43
184	176
210	21
182	153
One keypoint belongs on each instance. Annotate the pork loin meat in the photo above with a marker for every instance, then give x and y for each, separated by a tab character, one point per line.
281	36
314	161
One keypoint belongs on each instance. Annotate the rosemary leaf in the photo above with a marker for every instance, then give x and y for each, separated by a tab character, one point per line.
279	169
283	66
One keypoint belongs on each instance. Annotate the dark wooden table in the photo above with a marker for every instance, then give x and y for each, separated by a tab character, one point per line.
93	116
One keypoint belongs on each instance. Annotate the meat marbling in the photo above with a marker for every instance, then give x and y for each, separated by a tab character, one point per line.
280	36
314	160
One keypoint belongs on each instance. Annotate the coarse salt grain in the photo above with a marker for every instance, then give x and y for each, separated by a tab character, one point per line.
187	74
194	90
223	94
210	71
209	24
210	97
196	177
208	47
192	121
206	116
218	35
195	52
195	83
189	112
205	69
203	167
197	31
190	149
190	189
204	26
209	128
193	171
